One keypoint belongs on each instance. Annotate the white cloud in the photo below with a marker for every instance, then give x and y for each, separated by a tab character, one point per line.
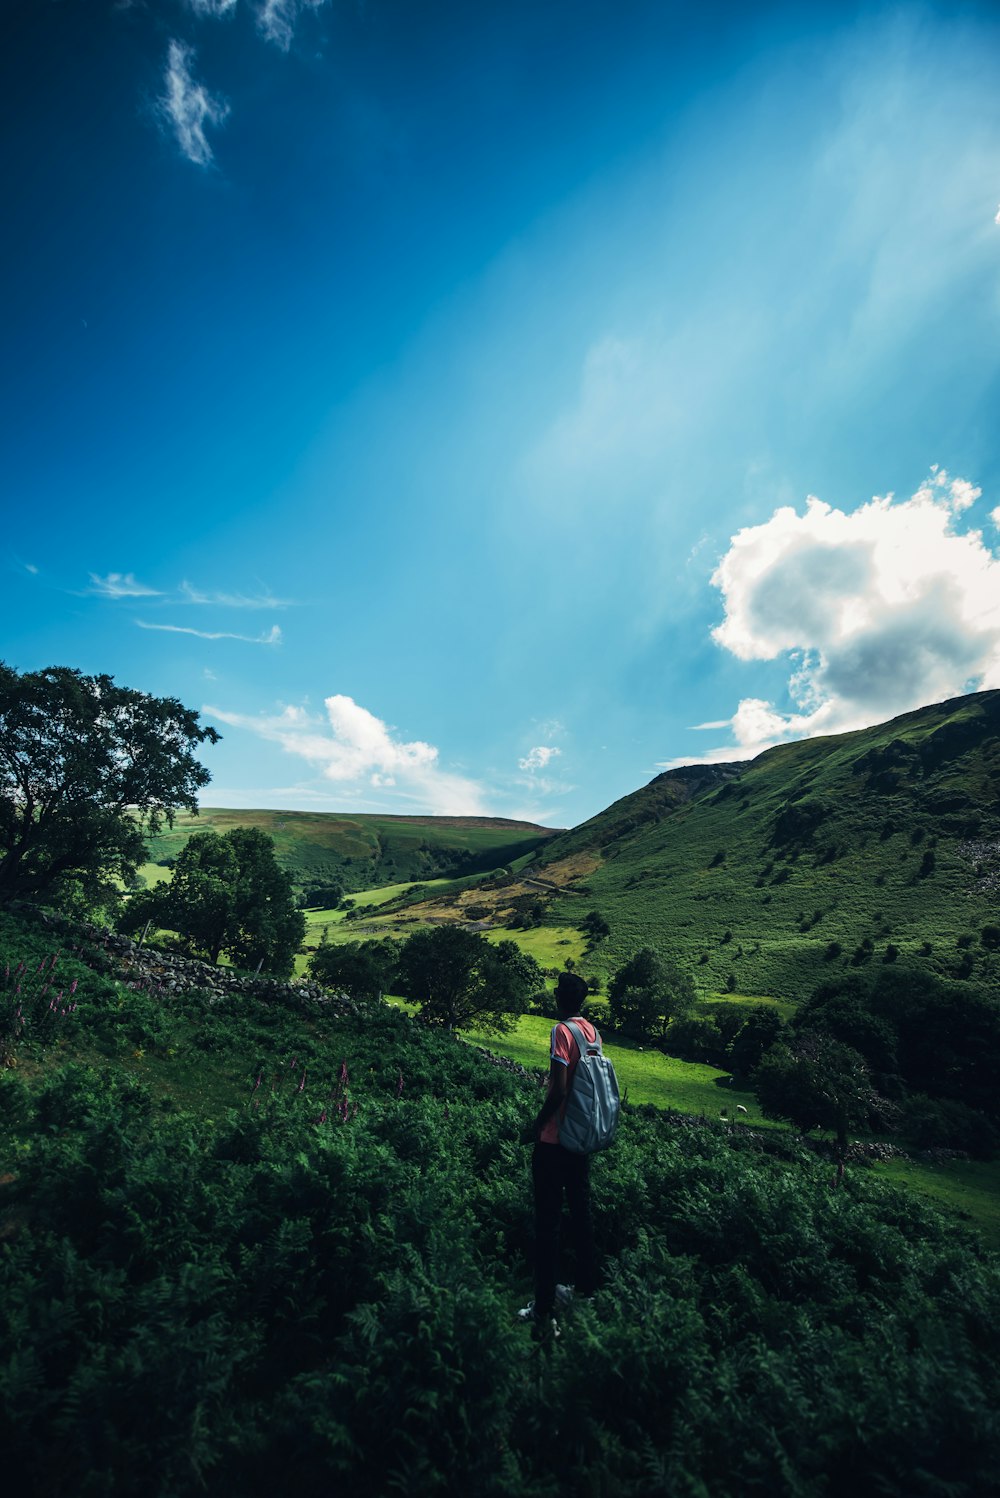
539	757
277	19
353	748
272	637
189	106
121	585
995	517
30	567
879	611
214	8
233	600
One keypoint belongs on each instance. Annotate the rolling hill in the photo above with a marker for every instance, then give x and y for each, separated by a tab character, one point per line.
866	847
362	852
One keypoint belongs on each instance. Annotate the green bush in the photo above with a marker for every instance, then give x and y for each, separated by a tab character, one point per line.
314	1292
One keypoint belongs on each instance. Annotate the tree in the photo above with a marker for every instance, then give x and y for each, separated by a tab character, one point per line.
648	992
88	770
458	978
361	969
228	894
595	926
323	896
754	1038
819	1083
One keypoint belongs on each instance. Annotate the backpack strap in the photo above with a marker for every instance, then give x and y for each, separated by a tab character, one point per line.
583	1044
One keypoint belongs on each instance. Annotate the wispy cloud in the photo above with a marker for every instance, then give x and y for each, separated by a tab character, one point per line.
272	637
878	611
188	106
30	567
360	752
191	594
539	757
213	8
277	19
121	585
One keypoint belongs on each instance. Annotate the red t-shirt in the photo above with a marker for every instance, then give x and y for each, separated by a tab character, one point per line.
564	1049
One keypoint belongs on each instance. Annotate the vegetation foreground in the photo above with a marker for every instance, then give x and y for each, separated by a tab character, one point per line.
248	1247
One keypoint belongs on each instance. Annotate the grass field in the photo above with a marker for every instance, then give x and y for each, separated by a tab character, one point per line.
969	1187
549	945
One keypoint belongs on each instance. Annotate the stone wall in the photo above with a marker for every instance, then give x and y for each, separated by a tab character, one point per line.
162	972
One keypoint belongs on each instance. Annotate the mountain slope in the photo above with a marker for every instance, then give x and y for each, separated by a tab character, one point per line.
884	842
360	852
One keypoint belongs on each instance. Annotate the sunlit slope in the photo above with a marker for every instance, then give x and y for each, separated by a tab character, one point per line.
884	842
360	852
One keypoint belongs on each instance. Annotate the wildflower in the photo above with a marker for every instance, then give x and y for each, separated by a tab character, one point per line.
260	1078
399	1086
72	987
343	1073
302	1083
322	1117
343	1111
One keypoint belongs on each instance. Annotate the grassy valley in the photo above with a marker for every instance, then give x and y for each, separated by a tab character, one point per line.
362	852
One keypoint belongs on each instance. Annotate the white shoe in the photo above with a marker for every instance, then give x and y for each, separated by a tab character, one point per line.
527	1315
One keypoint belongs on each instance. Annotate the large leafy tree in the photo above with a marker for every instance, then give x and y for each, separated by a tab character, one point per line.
459	979
819	1083
229	894
87	770
648	992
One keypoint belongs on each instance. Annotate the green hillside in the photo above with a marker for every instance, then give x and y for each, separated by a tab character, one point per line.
860	848
361	852
763	877
248	1246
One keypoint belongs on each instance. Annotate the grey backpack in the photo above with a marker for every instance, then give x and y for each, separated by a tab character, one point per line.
592	1106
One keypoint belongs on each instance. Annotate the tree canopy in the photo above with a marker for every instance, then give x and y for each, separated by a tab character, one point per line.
459	979
228	894
87	770
648	992
817	1082
361	969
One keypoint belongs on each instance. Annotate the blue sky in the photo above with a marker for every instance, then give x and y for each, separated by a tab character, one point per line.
473	409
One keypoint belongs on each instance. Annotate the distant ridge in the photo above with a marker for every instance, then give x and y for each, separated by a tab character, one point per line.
362	851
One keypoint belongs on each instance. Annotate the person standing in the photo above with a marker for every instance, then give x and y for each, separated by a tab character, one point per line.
557	1172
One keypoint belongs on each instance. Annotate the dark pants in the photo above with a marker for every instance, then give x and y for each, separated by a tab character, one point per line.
553	1171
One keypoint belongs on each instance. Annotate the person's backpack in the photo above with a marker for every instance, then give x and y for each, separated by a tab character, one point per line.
592	1105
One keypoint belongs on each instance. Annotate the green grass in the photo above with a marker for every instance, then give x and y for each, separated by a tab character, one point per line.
648	1075
970	1188
364	851
703	873
549	945
785	1007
